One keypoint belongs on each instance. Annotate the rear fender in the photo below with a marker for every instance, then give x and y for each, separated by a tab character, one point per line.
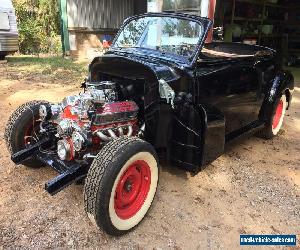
282	84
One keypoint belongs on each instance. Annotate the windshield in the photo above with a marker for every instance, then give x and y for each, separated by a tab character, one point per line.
166	34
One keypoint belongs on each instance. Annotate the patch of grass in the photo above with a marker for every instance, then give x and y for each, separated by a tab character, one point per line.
47	64
51	69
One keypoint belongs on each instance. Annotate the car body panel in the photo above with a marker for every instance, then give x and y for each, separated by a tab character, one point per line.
217	99
233	89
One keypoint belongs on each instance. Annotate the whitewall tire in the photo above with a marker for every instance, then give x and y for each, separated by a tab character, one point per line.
279	115
121	185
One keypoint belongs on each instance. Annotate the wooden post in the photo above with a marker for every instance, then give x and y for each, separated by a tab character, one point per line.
64	27
233	12
211	15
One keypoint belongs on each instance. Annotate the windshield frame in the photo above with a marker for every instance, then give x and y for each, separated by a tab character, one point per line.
205	24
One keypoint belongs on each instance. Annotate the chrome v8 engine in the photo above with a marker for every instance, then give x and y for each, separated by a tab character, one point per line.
86	121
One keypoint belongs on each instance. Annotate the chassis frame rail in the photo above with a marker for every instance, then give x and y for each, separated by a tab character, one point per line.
70	172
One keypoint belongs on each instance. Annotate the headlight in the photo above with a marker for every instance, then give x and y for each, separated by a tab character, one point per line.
78	140
65	150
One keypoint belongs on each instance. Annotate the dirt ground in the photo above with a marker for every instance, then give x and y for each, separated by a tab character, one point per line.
254	188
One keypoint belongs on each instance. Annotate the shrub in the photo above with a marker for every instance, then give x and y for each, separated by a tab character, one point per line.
39	26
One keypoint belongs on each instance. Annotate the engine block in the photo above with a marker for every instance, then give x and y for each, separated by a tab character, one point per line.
87	121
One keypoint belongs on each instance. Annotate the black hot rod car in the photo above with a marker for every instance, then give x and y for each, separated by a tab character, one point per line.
158	89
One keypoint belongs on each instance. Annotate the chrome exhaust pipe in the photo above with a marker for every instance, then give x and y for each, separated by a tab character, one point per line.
142	130
130	131
112	134
121	132
103	137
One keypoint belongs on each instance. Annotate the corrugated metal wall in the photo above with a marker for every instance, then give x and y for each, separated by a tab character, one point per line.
98	14
12	20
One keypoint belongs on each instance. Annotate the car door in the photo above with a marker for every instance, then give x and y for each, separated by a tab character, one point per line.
234	88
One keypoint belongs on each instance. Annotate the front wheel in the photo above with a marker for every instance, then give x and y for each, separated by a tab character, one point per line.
22	129
121	185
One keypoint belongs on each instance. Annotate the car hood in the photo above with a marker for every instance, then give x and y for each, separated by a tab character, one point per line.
138	66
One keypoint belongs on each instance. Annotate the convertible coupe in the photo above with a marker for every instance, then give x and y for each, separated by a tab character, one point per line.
159	90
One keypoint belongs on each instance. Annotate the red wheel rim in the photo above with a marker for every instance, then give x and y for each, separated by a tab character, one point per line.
278	114
132	189
29	132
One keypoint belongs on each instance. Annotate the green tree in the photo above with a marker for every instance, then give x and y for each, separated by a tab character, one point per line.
38	24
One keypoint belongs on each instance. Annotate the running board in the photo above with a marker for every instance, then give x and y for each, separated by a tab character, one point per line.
244	130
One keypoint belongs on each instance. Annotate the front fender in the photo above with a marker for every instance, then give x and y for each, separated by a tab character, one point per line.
198	136
213	133
282	84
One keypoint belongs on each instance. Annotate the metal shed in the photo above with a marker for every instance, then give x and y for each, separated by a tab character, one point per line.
8	29
86	23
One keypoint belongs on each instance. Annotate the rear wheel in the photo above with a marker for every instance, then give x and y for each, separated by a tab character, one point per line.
275	123
21	129
121	185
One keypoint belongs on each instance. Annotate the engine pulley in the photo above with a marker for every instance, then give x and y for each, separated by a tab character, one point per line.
65	150
78	140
